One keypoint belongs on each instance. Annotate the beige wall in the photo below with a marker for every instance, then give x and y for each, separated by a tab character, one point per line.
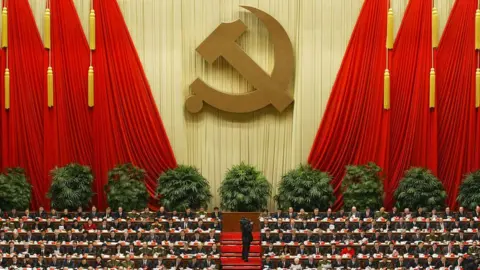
166	33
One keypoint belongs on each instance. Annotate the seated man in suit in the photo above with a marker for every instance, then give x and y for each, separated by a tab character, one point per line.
186	224
310	237
415	263
367	214
75	249
59	250
371	264
194	264
400	263
90	250
310	262
420	249
301	250
189	213
291	214
462	213
210	264
417	236
283	263
216	214
120	214
267	237
104	250
385	264
211	237
420	213
429	264
68	263
448	213
459	263
55	263
267	263
278	215
442	263
434	249
353	263
450	249
282	237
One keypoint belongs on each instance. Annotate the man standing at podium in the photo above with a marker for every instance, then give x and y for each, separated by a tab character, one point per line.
246	226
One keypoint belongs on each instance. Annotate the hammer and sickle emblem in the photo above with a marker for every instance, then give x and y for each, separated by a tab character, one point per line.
270	89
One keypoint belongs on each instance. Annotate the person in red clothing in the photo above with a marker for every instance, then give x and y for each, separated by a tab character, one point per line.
89	225
348	250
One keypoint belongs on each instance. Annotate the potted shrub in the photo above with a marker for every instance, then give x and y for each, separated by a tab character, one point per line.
420	188
15	190
71	186
305	187
183	187
362	186
244	189
468	195
126	188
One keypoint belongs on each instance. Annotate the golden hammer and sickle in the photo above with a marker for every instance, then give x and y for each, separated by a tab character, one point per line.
271	89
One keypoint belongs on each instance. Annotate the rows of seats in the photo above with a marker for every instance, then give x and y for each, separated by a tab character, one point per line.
110	239
371	239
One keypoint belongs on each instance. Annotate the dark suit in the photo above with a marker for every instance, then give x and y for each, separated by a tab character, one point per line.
216	215
247	238
441	264
284	264
69	264
310	264
265	264
195	265
207	264
122	215
353	264
56	265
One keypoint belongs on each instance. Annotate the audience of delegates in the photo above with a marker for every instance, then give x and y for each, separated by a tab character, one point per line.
371	239
82	240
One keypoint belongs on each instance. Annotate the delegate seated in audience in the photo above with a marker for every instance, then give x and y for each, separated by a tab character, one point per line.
66	241
424	234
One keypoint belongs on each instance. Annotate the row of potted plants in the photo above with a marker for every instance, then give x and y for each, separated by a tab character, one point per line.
243	189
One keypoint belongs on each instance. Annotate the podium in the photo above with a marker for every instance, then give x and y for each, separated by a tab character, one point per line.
231	221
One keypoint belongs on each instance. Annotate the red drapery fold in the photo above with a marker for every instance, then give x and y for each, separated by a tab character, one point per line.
355	126
457	116
68	124
413	132
127	125
22	124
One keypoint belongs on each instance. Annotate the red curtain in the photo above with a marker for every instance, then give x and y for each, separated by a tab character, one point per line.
68	123
127	125
22	125
413	132
457	116
354	127
124	125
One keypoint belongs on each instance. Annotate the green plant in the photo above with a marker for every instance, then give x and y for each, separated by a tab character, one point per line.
15	190
244	189
362	186
468	195
305	187
71	186
126	187
420	188
183	187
